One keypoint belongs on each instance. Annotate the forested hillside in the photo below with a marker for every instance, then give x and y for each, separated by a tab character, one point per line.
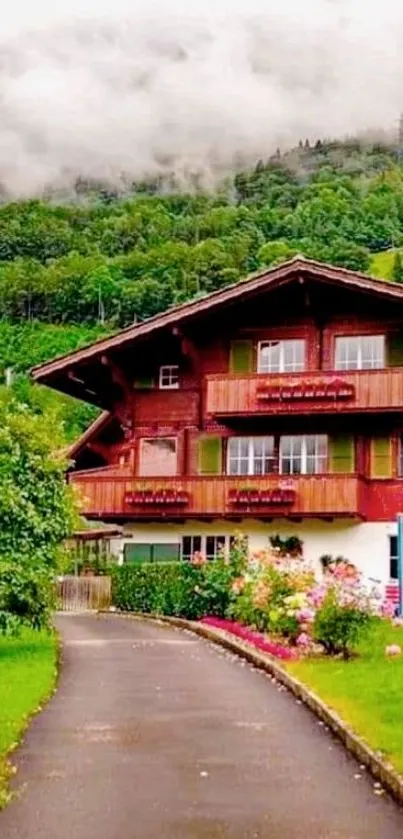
70	271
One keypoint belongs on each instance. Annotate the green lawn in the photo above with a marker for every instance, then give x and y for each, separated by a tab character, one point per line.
27	677
367	692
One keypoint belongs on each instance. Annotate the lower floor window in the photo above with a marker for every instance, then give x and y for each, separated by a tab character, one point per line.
191	545
393	558
212	547
215	546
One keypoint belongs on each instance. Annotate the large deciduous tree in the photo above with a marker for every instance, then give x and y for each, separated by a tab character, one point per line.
36	514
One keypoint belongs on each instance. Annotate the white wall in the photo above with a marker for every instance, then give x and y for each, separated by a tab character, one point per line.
366	544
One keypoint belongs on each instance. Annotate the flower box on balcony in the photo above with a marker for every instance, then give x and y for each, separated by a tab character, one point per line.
334	390
157	497
263	498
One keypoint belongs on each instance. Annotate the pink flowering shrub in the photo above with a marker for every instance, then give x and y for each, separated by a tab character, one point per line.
280	595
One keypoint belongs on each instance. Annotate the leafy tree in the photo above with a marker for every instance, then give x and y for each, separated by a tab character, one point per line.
36	508
36	514
397	271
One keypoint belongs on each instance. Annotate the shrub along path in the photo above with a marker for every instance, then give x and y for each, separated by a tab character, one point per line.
154	732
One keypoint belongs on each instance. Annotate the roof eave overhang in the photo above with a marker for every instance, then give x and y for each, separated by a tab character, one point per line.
273	278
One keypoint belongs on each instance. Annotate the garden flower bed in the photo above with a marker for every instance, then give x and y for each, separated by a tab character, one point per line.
256	639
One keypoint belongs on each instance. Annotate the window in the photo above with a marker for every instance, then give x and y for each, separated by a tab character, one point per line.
215	546
169	377
150	552
281	356
303	455
251	456
210	546
393	558
190	546
360	352
158	457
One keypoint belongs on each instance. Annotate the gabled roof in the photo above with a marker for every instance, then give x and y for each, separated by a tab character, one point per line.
268	279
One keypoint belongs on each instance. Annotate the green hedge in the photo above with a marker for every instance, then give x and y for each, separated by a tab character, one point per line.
164	588
174	588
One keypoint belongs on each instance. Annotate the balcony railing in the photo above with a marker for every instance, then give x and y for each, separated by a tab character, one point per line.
328	392
112	495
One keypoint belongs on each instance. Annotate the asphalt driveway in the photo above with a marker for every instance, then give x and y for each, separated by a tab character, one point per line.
156	733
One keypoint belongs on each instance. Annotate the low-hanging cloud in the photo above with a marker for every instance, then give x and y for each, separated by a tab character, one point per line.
104	87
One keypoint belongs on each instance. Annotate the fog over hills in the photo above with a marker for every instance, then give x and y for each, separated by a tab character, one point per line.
98	88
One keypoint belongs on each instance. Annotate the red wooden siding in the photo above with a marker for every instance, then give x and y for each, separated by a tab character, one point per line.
385	500
166	406
374	390
106	493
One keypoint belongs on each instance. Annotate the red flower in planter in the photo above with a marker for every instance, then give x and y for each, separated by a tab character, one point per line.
183	497
254	496
321	390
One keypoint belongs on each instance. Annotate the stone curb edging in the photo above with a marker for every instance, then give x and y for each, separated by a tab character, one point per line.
382	771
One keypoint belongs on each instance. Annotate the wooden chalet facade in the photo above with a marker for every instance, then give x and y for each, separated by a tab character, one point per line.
272	406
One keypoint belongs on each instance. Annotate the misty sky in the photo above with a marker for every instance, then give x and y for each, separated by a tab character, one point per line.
107	86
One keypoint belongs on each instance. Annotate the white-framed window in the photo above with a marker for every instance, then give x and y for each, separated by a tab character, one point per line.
191	545
393	558
158	456
211	547
303	454
360	352
169	377
251	456
215	546
281	356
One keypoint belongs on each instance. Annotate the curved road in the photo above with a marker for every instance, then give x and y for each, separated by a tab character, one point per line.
156	733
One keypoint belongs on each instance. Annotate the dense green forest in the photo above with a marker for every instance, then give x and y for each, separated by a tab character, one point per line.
72	271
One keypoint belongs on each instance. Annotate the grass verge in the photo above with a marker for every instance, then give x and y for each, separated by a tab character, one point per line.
28	667
366	692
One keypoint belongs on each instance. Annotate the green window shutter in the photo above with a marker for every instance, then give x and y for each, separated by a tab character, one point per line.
342	453
395	350
210	456
144	383
165	552
381	457
137	552
241	357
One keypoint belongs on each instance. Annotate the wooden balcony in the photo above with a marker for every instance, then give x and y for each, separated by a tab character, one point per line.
305	393
112	495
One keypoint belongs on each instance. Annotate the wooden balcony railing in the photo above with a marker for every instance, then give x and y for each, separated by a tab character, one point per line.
107	494
328	392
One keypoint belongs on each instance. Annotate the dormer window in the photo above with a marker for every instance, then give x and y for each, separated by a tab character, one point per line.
281	356
169	377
